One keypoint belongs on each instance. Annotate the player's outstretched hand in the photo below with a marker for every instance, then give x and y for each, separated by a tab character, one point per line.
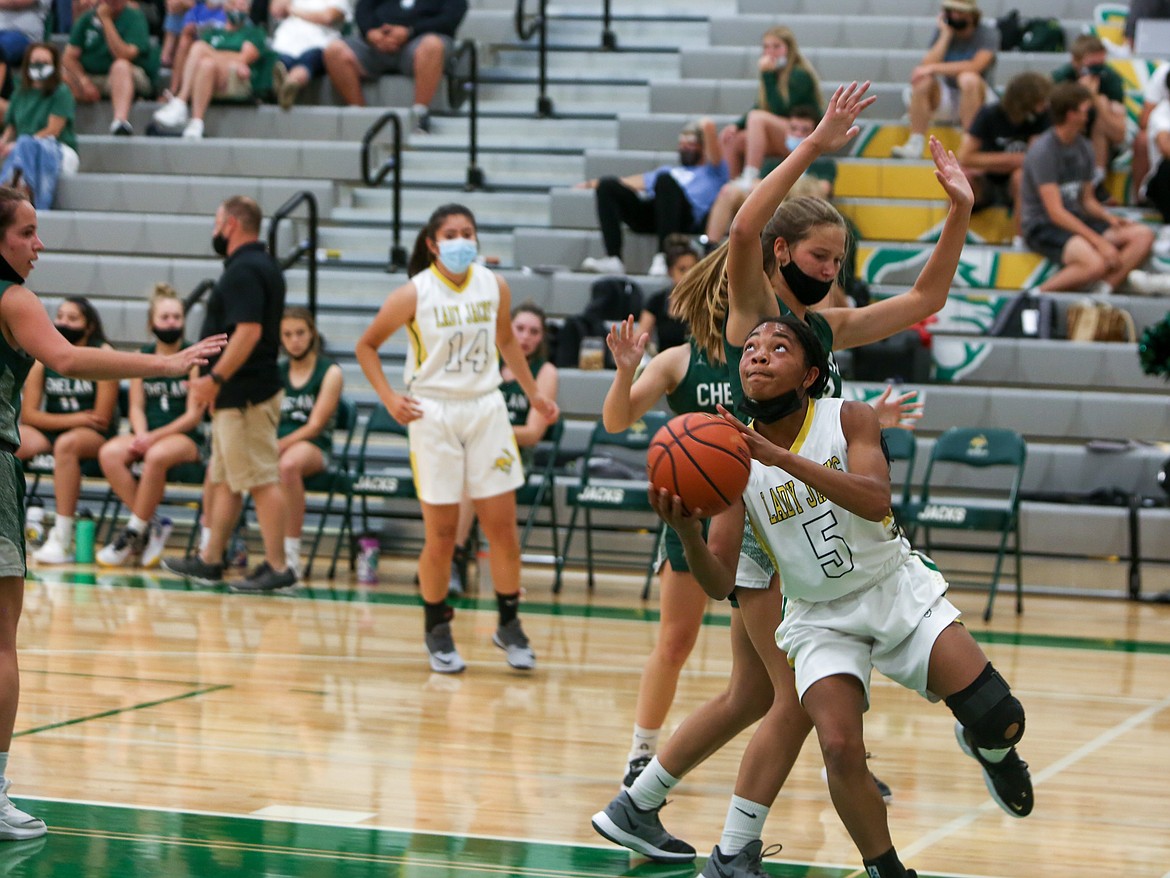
950	175
837	127
671	510
626	344
903	410
180	364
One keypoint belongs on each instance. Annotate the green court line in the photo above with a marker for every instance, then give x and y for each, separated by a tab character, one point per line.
88	839
117	710
586	611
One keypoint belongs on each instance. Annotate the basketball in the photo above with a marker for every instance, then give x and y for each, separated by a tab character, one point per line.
701	458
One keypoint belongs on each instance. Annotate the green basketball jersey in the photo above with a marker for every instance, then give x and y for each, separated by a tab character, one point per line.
517	402
166	398
298	404
703	387
14	368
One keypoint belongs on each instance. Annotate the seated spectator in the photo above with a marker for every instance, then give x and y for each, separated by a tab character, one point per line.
164	433
992	150
530	326
306	28
787	80
954	76
1106	126
232	62
1061	216
308	416
77	417
1155	92
195	22
173	28
109	56
38	144
1156	185
411	37
664	201
665	330
21	22
823	170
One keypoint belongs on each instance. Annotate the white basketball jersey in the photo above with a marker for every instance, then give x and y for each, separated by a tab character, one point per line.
821	550
453	336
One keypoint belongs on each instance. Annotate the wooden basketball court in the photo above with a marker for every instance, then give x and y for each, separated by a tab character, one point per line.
168	730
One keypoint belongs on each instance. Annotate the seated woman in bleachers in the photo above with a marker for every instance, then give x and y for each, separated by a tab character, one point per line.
530	326
164	433
231	62
77	417
21	22
787	80
306	28
308	416
38	145
655	320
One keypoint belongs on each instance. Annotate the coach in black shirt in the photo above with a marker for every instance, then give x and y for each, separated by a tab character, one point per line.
244	390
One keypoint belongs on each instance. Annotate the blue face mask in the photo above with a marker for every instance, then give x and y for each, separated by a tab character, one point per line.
792	142
457	254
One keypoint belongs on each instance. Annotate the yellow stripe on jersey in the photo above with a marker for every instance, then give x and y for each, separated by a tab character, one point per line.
416	342
447	281
804	428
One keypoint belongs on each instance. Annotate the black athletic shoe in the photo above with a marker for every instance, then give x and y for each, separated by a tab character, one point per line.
265	580
1008	781
193	567
633	769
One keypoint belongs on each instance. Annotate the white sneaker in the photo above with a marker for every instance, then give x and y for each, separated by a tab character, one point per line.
15	825
908	150
156	542
1148	283
194	130
122	550
1162	243
172	114
54	551
657	266
604	265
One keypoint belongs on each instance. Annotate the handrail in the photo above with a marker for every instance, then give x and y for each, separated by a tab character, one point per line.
539	26
394	163
196	295
306	247
460	88
608	37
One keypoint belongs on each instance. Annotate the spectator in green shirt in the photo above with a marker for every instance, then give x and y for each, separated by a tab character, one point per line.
787	80
38	144
109	56
1106	126
232	62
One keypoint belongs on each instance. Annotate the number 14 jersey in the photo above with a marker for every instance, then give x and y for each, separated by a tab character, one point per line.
453	336
821	550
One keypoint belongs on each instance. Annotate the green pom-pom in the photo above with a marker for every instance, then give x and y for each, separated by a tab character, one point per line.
1154	348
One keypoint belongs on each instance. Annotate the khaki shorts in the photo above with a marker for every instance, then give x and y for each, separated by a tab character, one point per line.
142	83
237	88
243	445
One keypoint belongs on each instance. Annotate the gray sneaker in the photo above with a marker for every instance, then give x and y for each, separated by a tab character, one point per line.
15	825
445	658
512	640
193	567
748	863
624	823
265	580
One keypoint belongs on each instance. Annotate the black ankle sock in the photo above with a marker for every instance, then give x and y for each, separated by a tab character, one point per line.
886	866
509	606
437	614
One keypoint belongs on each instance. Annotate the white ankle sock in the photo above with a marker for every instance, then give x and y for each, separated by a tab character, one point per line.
137	525
744	824
292	550
645	742
650	789
204	539
916	141
750	173
63	525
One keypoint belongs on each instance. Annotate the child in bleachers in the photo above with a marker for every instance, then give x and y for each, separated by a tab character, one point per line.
70	418
195	20
308	416
164	433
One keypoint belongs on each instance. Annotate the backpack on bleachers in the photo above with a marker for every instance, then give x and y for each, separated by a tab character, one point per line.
1026	315
1029	34
610	299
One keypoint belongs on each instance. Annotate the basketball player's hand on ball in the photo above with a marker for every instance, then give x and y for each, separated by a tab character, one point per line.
548	408
404	409
671	510
762	450
626	344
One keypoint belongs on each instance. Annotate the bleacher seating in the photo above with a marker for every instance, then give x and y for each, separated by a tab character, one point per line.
141	210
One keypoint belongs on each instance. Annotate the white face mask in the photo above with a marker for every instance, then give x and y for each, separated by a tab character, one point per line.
792	142
39	72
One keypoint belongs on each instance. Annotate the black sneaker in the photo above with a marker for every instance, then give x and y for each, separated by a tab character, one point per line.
265	580
193	567
633	769
1008	781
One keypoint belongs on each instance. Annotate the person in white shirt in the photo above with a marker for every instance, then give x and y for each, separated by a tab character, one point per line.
306	28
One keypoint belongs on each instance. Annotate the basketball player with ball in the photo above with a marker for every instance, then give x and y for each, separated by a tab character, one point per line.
858	597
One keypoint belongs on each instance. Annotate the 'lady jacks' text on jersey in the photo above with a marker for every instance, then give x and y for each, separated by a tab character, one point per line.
821	550
453	336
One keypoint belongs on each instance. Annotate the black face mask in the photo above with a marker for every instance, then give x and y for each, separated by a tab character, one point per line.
71	334
769	411
167	336
808	290
219	243
688	158
959	23
7	272
297	359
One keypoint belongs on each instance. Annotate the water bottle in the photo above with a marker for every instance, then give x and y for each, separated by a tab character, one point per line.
367	560
34	523
84	537
238	550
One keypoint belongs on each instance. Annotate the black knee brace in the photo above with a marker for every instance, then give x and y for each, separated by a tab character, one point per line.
988	709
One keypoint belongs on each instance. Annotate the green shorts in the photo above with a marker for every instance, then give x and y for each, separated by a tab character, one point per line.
670	549
11	516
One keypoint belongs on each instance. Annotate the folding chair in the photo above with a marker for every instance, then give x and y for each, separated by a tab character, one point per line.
622	495
334	481
994	505
902	448
540	491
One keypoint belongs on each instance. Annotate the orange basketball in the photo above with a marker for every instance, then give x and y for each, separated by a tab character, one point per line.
701	458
